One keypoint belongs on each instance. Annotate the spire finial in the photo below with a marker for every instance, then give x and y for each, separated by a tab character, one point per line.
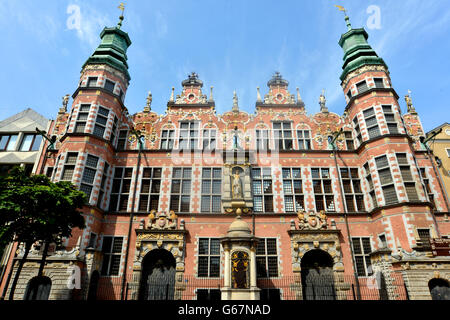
122	8
298	95
347	19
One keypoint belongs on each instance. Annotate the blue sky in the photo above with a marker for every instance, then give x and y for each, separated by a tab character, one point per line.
231	44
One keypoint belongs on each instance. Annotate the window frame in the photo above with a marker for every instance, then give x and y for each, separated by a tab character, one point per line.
211	195
323	195
111	254
180	194
364	255
262	180
120	181
279	135
153	178
293	194
209	256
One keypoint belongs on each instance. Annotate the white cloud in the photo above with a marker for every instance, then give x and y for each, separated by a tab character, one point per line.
90	24
161	24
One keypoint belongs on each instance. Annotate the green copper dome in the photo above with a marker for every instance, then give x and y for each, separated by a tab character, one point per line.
112	50
357	51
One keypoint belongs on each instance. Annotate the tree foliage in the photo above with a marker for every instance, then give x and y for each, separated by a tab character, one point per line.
33	208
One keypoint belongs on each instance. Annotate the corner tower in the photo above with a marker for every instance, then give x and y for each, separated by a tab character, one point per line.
89	141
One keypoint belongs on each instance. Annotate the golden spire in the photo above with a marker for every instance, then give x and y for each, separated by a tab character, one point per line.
122	8
347	19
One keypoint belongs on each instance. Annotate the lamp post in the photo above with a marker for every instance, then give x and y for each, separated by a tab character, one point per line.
139	137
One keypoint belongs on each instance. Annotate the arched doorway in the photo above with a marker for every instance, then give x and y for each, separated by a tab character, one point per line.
439	289
157	276
38	288
93	285
317	276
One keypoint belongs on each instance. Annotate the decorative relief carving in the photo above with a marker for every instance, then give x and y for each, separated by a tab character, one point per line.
160	221
311	220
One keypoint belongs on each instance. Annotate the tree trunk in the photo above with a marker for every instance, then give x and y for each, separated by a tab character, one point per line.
19	269
41	267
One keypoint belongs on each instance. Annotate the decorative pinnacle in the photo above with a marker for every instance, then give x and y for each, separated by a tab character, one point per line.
258	96
211	98
347	19
172	95
298	95
122	8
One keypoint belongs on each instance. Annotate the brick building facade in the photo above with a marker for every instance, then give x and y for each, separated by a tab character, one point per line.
346	196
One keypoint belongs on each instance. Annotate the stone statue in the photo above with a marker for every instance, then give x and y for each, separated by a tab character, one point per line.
235	139
236	186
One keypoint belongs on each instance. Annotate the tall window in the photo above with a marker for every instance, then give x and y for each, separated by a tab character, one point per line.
188	135
180	198
426	182
30	142
352	189
323	191
362	86
371	187
262	190
209	139
120	189
102	185
112	252
390	119
208	258
83	114
387	183
267	258
8	142
90	170
405	170
100	122
113	130
150	187
211	189
371	123
167	138
349	140
69	166
304	139
357	130
293	190
109	85
282	132
362	249
122	141
262	139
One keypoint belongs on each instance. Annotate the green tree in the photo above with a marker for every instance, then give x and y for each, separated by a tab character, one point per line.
32	208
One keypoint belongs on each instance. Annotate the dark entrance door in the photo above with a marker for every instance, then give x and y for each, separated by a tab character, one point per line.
93	285
38	288
439	289
317	276
158	276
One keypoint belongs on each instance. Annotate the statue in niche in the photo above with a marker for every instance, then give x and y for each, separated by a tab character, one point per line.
239	269
236	186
